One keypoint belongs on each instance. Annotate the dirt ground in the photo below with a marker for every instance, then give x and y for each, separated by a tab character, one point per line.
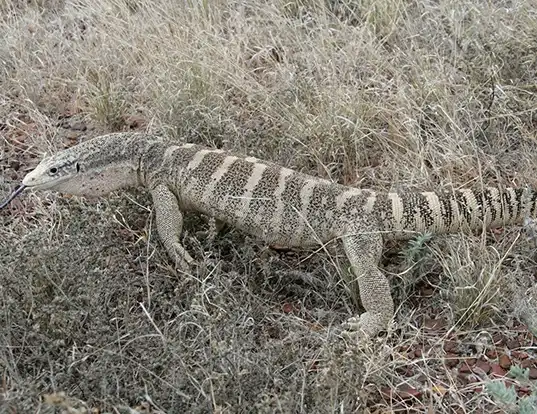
388	94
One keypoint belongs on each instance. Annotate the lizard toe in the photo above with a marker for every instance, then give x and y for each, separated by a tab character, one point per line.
367	325
183	260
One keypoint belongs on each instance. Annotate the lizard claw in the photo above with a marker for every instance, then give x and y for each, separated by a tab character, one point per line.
362	327
183	261
353	330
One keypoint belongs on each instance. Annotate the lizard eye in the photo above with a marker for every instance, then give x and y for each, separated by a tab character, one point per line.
53	171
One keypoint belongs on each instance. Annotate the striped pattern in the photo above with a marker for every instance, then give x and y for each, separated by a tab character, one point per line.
279	205
286	207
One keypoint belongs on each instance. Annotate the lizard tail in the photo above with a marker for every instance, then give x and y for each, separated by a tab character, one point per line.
459	210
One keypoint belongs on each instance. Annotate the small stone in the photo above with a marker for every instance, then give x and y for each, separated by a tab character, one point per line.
491	354
508	383
504	361
519	354
287	307
484	366
465	368
498	371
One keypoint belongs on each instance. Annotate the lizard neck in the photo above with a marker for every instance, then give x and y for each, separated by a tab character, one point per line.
150	163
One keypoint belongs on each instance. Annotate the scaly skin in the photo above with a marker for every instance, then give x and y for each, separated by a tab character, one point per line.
278	205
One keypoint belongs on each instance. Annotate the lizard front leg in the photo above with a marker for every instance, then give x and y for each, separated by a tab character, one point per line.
170	224
363	247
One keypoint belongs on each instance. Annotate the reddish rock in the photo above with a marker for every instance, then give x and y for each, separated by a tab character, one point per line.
492	354
498	371
519	354
465	368
533	373
483	365
504	361
287	307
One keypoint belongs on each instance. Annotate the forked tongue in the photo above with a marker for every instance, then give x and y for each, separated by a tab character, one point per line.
14	194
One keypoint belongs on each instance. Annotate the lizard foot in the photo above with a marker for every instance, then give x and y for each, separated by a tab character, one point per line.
183	261
365	326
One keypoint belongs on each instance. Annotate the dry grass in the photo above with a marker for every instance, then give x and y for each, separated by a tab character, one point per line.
385	94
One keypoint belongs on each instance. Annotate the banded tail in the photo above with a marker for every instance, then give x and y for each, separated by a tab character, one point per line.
447	212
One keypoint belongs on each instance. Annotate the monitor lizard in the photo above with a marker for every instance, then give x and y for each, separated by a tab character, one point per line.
276	204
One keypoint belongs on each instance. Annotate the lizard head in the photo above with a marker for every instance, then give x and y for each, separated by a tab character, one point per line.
92	168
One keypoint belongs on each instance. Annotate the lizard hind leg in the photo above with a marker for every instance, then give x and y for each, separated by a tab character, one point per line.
363	244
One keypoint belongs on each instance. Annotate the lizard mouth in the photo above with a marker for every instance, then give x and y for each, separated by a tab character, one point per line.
38	179
19	189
